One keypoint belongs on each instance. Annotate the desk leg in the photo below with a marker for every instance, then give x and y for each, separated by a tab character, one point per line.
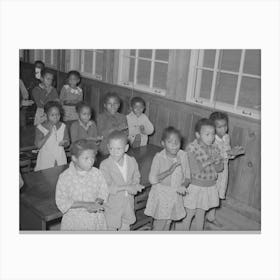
44	225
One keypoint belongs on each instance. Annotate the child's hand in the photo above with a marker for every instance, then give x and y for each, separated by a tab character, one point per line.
63	143
236	151
186	182
94	207
100	201
142	129
181	190
134	189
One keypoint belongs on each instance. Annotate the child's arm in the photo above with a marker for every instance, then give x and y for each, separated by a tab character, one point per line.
63	95
40	138
147	128
65	142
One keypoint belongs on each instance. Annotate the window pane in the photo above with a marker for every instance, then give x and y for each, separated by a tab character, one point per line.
88	57
162	55
252	63
99	63
48	56
131	69
209	58
230	60
160	75
250	93
143	73
225	88
145	53
132	52
204	78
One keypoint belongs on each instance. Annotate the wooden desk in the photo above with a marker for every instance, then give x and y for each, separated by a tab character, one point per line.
37	197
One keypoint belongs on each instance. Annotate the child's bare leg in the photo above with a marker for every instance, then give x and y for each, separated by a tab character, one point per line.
188	220
167	225
211	215
199	219
159	225
125	227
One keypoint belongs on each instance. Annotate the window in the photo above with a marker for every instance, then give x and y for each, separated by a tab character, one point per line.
21	54
229	80
144	69
91	63
49	57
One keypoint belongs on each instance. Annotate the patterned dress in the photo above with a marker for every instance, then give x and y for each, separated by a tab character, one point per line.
164	202
202	192
85	186
73	95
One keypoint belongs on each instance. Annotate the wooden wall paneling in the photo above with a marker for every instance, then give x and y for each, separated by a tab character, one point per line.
184	126
237	138
94	101
254	139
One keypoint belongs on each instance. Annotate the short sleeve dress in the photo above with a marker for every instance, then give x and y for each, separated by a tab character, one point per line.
164	202
85	186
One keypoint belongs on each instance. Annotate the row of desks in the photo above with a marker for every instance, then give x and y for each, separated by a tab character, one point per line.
37	197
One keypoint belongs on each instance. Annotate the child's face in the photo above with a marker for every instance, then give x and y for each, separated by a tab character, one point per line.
53	115
112	106
138	109
47	79
85	115
221	127
172	144
85	160
206	135
73	81
117	148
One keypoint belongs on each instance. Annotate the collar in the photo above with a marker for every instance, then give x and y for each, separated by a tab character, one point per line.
86	127
47	124
75	171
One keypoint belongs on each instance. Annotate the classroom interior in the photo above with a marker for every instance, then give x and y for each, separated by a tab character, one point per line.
179	87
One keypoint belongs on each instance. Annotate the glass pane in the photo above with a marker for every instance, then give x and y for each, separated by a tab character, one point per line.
250	93
55	57
204	78
230	60
143	73
131	69
88	57
160	75
225	88
162	55
252	63
145	53
209	58
132	52
48	56
99	63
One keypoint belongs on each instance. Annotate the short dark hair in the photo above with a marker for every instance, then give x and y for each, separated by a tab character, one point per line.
40	63
46	71
52	104
117	135
81	105
203	122
74	73
81	145
111	95
168	131
137	99
218	116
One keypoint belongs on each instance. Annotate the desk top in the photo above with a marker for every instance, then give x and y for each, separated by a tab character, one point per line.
38	192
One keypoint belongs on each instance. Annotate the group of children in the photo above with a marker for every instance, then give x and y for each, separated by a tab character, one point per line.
185	184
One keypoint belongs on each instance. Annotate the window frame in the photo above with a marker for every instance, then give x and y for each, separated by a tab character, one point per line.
43	52
122	71
193	91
